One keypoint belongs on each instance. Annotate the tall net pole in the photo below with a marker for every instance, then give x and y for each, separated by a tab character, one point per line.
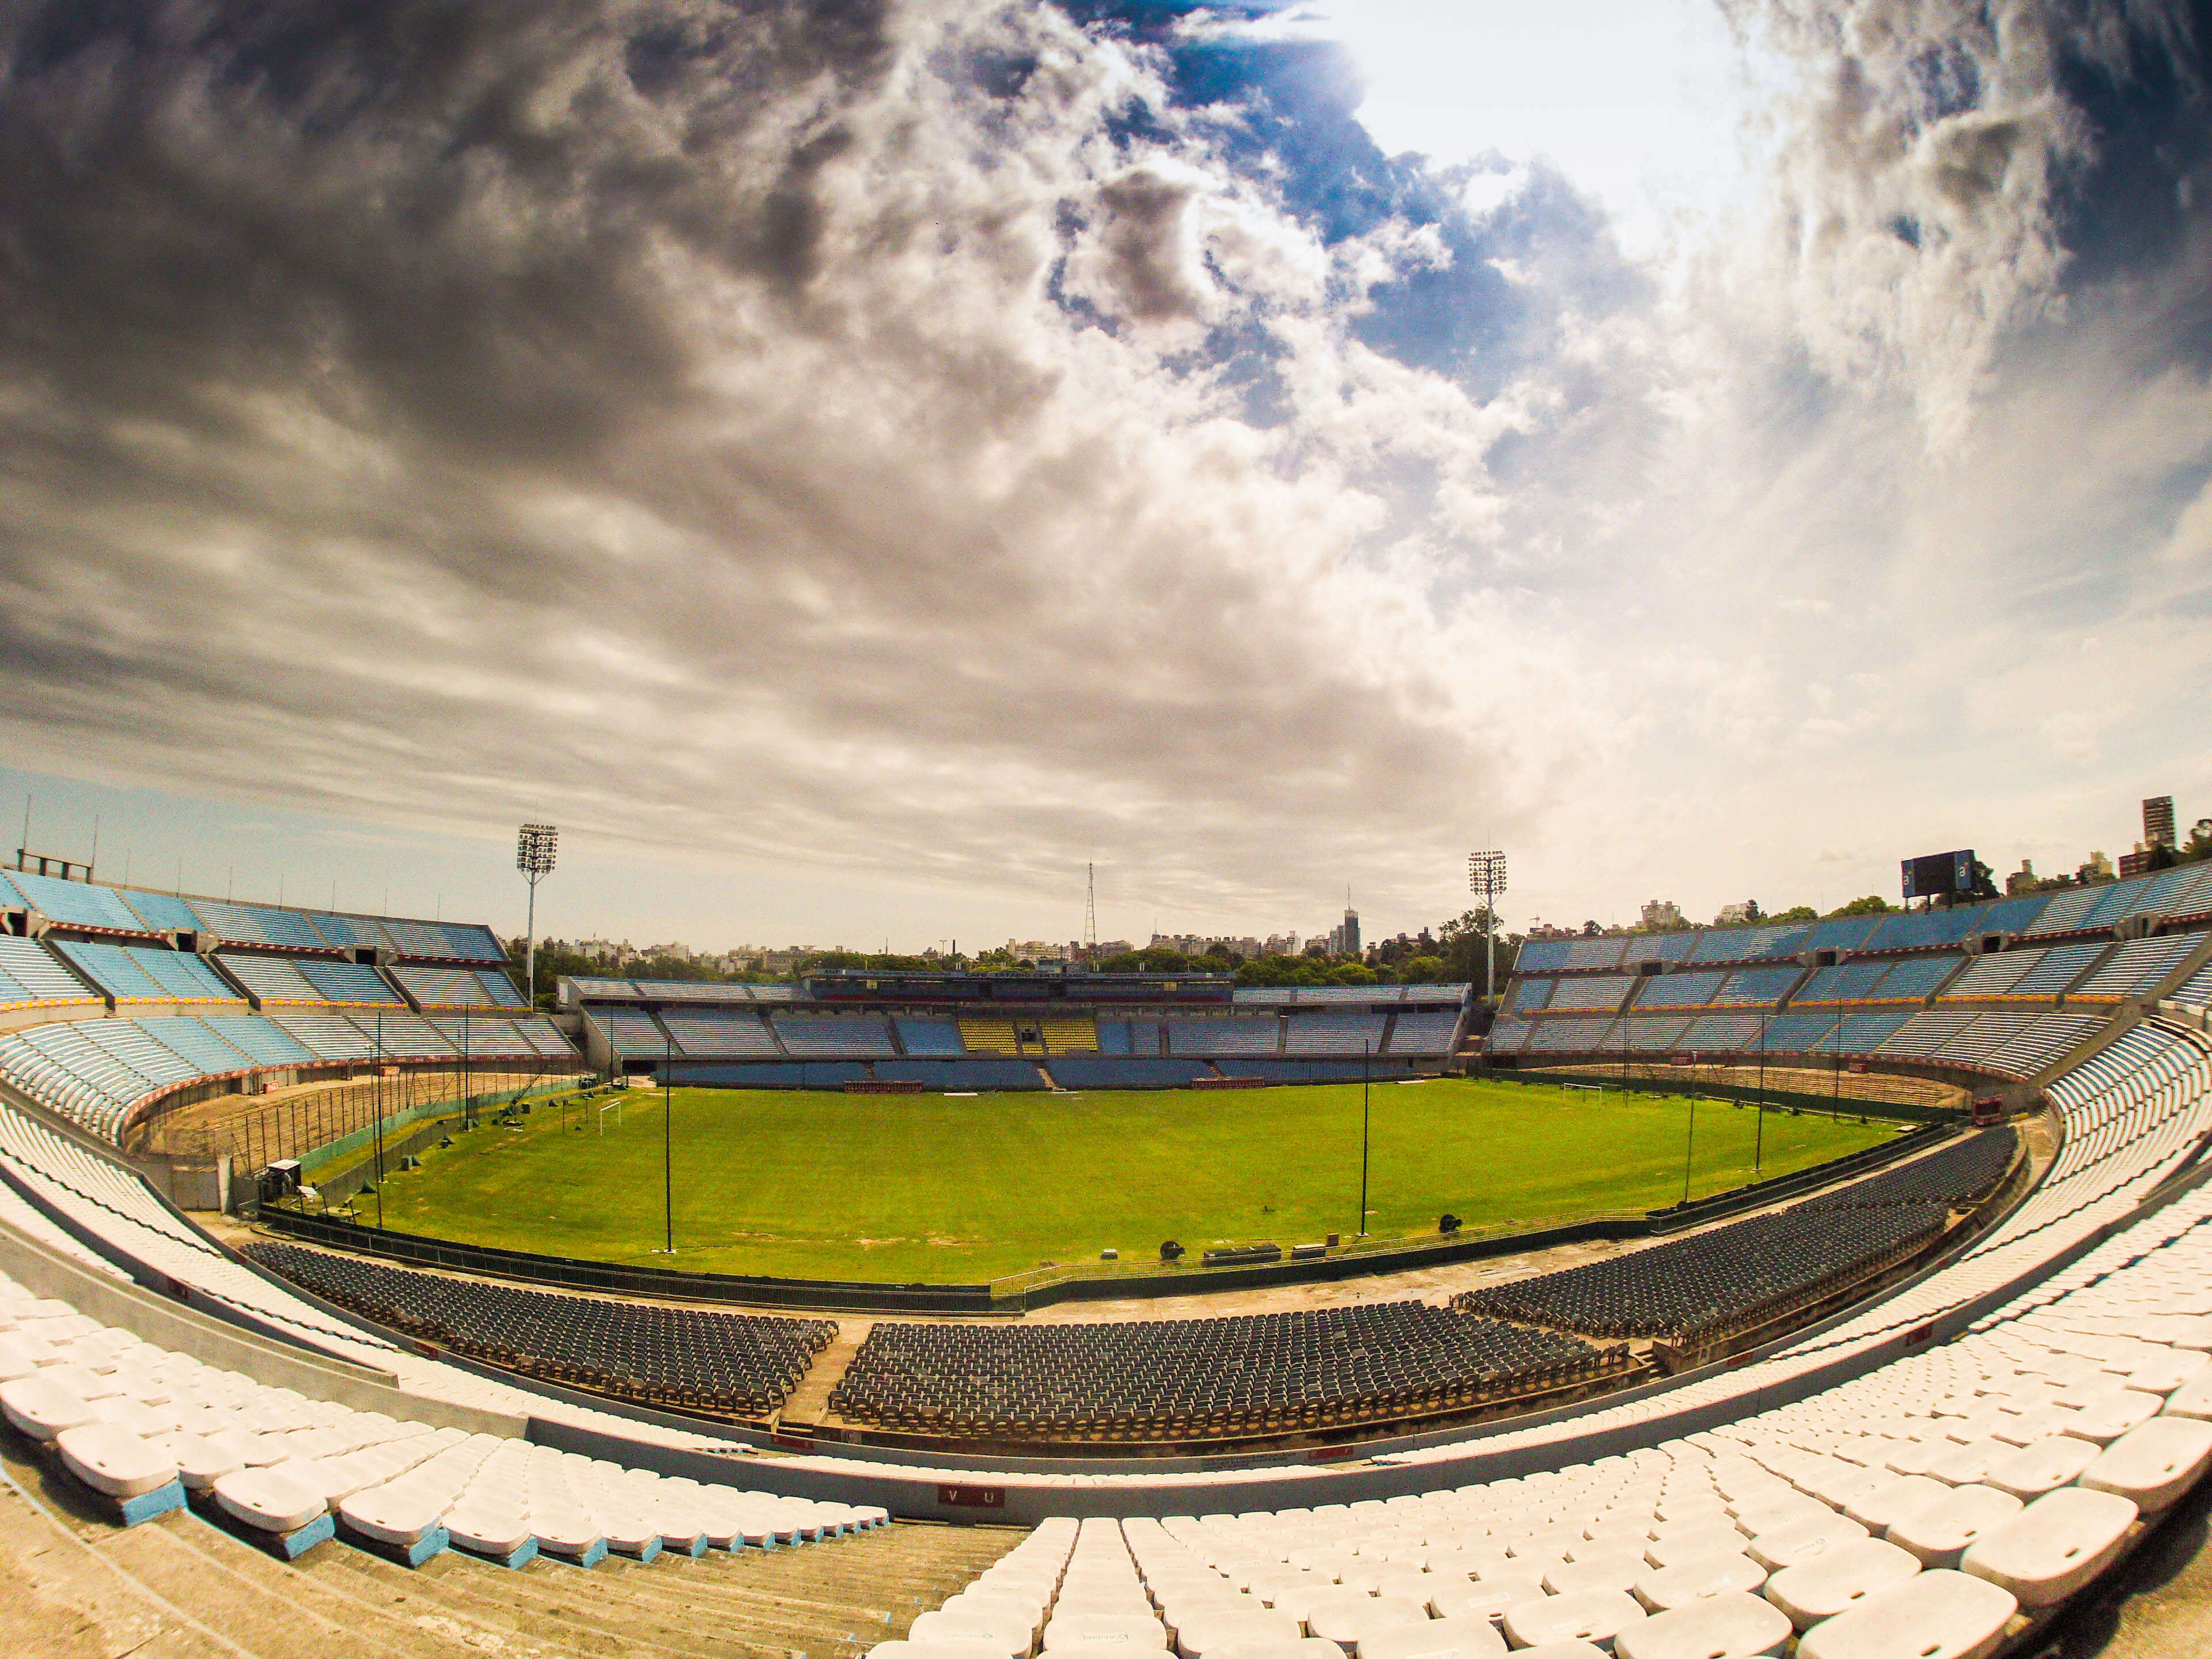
535	847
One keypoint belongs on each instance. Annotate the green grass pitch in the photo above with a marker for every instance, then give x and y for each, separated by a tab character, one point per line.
938	1188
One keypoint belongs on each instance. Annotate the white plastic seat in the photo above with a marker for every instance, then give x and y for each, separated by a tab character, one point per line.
391	1514
1486	1598
1940	1533
2193	1398
1803	1540
1839	1580
487	1528
1876	1511
1618	1570
2168	1371
1697	1577
2053	1546
41	1406
2153	1465
1439	1638
1350	1622
1779	1511
112	1461
1731	1626
1212	1633
565	1529
1965	1465
1105	1632
20	1355
2105	1420
1596	1616
1695	1541
268	1499
1933	1615
2043	1467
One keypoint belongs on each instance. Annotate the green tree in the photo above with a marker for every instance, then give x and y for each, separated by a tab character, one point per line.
1797	913
1872	905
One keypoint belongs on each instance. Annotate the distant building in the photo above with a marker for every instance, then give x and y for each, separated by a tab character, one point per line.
2158	821
2022	880
1734	916
2099	868
1662	914
1281	945
1344	938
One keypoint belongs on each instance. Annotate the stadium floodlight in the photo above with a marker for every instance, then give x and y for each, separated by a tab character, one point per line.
1486	874
535	846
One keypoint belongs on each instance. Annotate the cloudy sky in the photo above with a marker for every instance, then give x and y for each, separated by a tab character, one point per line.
851	463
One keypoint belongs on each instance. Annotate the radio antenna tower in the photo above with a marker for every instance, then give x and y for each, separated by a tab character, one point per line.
1090	912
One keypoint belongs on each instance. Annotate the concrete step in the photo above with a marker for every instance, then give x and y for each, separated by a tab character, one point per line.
180	1587
810	1401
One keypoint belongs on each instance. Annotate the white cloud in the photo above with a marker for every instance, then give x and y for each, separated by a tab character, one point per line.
776	448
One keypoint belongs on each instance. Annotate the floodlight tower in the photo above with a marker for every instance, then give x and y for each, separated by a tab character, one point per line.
535	845
1486	874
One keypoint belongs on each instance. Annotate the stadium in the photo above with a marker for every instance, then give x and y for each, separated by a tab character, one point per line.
1121	477
1929	1373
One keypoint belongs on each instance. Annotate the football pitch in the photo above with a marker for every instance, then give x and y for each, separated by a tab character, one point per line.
931	1187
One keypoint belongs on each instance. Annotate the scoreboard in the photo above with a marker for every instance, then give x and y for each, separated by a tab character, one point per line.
1938	874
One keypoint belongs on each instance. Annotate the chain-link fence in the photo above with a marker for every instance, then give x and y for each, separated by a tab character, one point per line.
255	1132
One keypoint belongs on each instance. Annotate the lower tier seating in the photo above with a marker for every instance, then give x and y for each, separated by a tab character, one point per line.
1691	1289
683	1358
1184	1378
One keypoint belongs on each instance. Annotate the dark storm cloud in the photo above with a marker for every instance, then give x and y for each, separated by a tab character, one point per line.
430	408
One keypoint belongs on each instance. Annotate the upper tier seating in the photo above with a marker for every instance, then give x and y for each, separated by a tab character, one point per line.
2136	968
1424	1033
1225	1036
1334	1034
142	973
719	1031
1528	996
833	1035
1668	991
458	988
931	1037
29	974
129	910
1184	1378
71	903
1595	993
632	1031
308	980
2197	992
1847	981
681	1357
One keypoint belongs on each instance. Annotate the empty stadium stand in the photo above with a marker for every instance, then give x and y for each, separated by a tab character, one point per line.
1688	1290
139	972
686	1357
1935	1468
307	980
1185	1379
